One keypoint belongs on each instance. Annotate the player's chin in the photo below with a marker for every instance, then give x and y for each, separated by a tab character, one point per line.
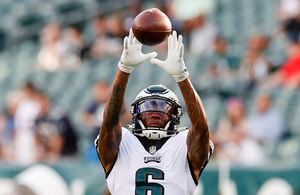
155	125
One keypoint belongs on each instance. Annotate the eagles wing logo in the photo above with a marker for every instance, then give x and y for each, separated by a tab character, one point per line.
152	159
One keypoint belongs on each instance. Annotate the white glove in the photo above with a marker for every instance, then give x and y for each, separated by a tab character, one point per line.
174	64
132	55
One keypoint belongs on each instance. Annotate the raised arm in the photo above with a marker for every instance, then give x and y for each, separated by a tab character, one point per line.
198	137
111	132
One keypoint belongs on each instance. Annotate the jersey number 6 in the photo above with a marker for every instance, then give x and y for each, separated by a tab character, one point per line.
142	186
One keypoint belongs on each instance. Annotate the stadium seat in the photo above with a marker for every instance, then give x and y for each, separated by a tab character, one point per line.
215	109
65	7
289	149
284	101
236	20
293	120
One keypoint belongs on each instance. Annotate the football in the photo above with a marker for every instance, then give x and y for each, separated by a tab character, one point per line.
151	26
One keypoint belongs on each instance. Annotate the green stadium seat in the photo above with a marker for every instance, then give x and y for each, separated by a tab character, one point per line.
214	109
293	121
235	19
289	149
284	101
30	19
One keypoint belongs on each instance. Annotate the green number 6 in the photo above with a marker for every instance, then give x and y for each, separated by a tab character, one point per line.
142	186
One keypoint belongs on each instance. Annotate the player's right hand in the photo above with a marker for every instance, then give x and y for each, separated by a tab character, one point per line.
132	54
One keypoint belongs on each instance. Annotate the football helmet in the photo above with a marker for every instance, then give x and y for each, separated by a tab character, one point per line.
161	100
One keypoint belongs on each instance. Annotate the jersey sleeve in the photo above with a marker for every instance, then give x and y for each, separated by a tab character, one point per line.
98	153
123	147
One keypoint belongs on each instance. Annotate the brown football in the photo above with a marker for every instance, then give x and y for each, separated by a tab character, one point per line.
151	26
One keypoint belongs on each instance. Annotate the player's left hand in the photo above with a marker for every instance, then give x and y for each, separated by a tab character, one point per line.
132	54
174	64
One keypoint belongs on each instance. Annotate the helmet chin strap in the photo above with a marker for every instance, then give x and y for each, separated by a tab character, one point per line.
141	124
167	125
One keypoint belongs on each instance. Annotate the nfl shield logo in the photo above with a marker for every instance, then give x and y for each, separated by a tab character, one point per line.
152	149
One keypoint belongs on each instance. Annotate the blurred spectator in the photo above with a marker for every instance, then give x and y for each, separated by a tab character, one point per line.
292	29
129	14
67	49
50	56
202	34
198	30
93	115
187	9
216	80
219	77
289	74
55	135
2	124
115	26
8	133
2	136
288	10
26	113
168	7
265	125
221	52
255	67
232	137
103	45
234	127
13	100
74	45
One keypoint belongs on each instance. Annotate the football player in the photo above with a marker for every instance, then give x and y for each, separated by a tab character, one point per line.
153	156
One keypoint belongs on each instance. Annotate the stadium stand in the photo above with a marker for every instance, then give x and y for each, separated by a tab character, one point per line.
71	88
235	19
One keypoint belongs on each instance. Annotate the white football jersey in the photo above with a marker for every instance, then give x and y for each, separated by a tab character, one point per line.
138	172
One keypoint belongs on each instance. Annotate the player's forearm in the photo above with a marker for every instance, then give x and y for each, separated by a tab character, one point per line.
198	137
115	100
110	133
194	104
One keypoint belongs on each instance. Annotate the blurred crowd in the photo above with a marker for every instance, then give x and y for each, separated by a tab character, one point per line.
33	128
36	129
